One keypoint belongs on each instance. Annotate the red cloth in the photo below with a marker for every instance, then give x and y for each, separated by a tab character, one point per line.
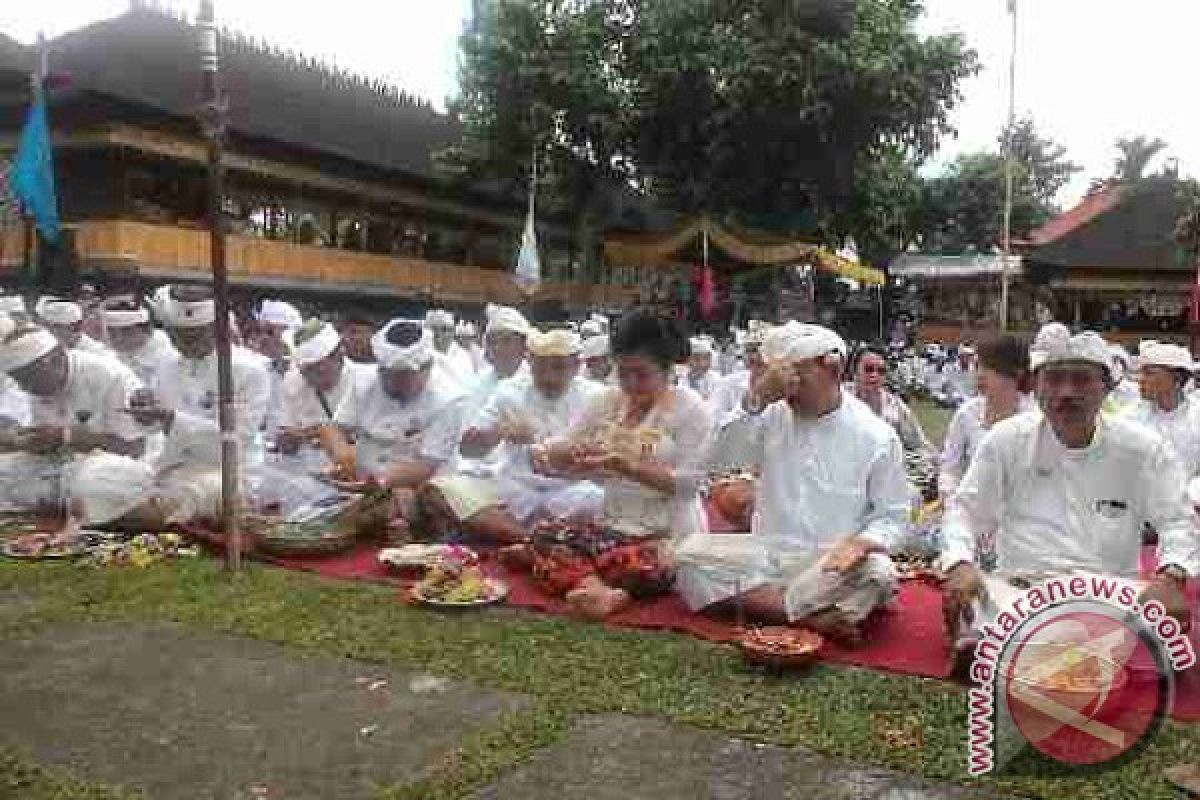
906	639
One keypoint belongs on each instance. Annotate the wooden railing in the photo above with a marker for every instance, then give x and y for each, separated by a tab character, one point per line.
175	249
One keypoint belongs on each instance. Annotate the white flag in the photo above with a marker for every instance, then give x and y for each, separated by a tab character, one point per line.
529	269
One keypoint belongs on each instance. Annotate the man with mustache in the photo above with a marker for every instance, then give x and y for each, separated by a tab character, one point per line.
1067	489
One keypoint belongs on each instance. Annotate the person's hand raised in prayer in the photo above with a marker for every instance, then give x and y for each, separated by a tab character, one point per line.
962	585
518	431
768	387
553	458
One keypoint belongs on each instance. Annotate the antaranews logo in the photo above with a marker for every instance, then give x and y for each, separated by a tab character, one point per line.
1075	668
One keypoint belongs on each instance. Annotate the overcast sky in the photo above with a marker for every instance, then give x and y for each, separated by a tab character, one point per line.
1088	71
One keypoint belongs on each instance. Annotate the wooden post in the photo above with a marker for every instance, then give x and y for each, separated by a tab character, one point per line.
213	122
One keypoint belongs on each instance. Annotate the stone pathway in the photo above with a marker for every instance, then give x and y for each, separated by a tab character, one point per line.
189	715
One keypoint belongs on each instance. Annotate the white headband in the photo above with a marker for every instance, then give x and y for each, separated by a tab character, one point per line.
1163	354
502	319
439	319
800	340
58	312
554	343
595	347
126	319
1086	346
412	358
12	304
701	346
176	313
277	312
318	348
24	350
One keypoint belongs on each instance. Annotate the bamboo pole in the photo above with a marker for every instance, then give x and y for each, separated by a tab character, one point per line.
213	123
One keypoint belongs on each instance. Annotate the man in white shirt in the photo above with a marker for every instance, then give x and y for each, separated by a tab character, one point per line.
467	336
732	388
64	319
1067	489
700	376
958	378
319	380
1164	372
134	339
831	499
186	382
502	501
597	361
504	351
78	404
454	360
1125	393
405	418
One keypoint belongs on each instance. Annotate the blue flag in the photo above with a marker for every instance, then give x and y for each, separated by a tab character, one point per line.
31	178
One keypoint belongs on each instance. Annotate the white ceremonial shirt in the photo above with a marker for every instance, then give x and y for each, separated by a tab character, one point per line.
87	344
456	362
1053	509
705	385
967	429
729	393
1180	427
147	361
95	397
518	399
387	431
824	479
190	387
301	406
14	404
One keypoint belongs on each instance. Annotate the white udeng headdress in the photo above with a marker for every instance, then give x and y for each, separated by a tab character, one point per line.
176	313
503	319
554	343
1086	346
317	348
25	349
53	311
390	356
800	340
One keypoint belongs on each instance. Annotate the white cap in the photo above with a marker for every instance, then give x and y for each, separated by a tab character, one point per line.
801	340
465	328
175	313
390	356
503	319
317	347
277	312
553	343
1162	354
21	350
701	346
1086	347
12	304
596	347
439	318
55	311
591	327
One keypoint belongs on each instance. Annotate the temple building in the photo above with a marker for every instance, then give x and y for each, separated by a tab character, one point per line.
331	183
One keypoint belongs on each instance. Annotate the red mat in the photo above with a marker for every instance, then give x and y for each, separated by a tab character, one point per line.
906	639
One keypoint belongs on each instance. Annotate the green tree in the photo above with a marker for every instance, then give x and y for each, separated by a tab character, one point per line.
963	209
748	110
1135	155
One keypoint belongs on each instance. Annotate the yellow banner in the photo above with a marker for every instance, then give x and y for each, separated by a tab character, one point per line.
634	252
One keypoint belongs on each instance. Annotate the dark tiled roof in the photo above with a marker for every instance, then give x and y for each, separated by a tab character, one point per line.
151	58
14	56
1134	231
1090	207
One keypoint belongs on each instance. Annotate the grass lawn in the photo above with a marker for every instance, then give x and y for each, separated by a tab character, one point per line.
911	724
933	418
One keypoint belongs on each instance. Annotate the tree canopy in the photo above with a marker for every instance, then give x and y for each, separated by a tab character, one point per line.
963	208
755	110
1135	154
